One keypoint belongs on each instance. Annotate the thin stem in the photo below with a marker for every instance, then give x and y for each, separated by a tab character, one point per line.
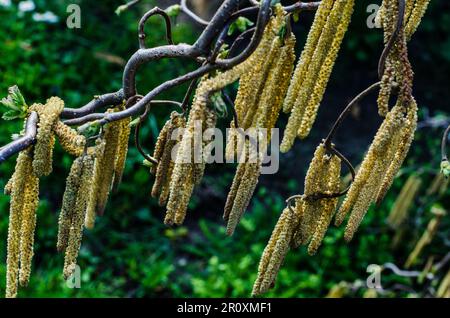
393	38
148	15
191	14
347	110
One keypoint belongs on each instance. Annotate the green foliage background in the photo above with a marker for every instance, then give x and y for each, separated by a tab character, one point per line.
131	253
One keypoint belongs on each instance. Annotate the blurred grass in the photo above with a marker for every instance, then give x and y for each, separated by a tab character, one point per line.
131	253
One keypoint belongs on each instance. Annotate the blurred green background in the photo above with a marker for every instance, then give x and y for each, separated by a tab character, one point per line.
131	253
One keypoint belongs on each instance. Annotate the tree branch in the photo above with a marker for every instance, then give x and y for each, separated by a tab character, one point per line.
23	142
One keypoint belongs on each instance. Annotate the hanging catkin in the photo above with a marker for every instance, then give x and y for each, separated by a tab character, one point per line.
164	167
30	205
70	140
390	125
313	182
314	81
69	203
108	164
45	139
274	253
328	206
78	215
122	151
22	172
415	17
91	209
253	81
183	176
301	70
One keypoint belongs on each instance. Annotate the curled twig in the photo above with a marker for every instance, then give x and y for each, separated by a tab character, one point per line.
148	15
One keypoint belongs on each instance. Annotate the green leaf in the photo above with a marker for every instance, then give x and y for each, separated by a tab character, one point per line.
240	24
296	17
173	11
12	114
219	104
15	103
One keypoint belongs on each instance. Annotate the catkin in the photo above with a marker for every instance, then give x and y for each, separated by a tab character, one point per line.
30	205
306	56
69	204
383	137
45	138
313	183
414	19
78	215
274	253
122	151
160	143
165	162
326	68
91	209
328	206
22	171
108	163
313	85
70	140
252	82
244	194
401	149
183	176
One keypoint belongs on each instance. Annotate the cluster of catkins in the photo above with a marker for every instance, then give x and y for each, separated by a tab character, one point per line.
92	173
258	104
314	68
307	222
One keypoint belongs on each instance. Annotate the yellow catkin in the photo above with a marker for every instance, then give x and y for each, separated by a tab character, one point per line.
368	193
68	203
22	171
274	253
78	216
122	151
165	162
91	209
306	88
326	68
420	7
276	84
160	143
244	194
183	174
233	190
404	201
108	162
307	54
30	205
406	137
70	140
199	167
382	138
328	206
252	82
313	182
45	139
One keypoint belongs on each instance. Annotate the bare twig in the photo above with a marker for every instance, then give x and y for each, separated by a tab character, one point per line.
444	144
23	142
148	15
